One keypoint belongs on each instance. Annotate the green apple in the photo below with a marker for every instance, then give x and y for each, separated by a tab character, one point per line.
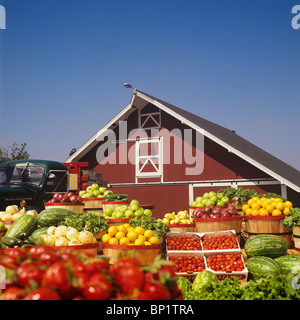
89	189
147	212
94	187
225	199
205	195
193	204
211	194
138	213
214	199
102	189
107	192
108	211
129	213
96	193
119	214
89	195
82	192
220	203
209	202
220	195
134	202
134	207
123	208
199	199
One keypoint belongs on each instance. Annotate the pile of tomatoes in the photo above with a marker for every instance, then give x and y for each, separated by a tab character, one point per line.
220	242
188	263
225	262
43	273
184	243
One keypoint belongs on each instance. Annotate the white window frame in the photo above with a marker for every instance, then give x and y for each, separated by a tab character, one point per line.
148	159
143	118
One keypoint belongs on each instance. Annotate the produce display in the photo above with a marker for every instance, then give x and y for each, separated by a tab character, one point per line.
68	197
267	245
85	222
126	235
210	199
182	217
289	263
133	210
94	191
225	262
65	236
53	216
266	207
184	242
12	213
54	227
159	228
42	273
116	197
260	265
220	242
278	287
239	194
191	263
215	212
293	219
25	224
197	266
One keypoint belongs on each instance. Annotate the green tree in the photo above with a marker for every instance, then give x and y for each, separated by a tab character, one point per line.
14	152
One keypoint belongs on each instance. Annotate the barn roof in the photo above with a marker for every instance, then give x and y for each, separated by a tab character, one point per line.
248	151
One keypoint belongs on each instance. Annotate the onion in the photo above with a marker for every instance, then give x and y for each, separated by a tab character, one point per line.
207	210
225	214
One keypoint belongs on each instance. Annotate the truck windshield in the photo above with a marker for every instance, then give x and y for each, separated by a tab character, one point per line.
26	172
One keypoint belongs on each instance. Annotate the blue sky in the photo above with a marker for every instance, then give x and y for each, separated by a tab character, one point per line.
64	62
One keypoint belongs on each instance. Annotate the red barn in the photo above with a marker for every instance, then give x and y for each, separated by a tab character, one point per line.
165	156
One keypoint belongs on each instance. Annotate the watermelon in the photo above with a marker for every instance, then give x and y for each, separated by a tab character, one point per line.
203	278
184	284
267	245
259	266
289	264
35	234
53	216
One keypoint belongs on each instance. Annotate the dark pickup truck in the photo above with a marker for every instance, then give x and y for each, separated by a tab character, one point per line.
34	181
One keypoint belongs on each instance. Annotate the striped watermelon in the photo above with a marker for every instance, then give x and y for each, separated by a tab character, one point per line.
203	278
259	266
289	264
267	245
53	216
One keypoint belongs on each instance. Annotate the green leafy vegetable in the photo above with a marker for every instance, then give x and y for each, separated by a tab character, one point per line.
86	222
293	219
159	228
268	287
239	194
